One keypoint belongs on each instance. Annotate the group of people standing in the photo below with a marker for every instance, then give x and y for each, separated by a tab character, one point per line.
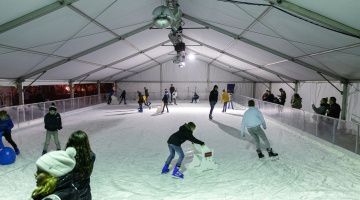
331	109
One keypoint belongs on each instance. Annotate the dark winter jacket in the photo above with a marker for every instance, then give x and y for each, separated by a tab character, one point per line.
184	133
296	103
65	190
270	98
52	122
282	98
146	92
214	95
83	183
165	98
123	94
322	109
334	111
172	89
6	125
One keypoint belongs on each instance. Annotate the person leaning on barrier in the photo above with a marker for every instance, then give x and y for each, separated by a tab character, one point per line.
296	101
334	108
321	110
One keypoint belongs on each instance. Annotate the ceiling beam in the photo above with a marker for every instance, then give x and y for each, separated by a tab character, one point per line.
230	66
118	61
315	16
262	47
147	68
35	14
85	52
241	59
133	67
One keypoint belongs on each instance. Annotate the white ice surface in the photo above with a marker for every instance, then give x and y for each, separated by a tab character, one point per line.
131	149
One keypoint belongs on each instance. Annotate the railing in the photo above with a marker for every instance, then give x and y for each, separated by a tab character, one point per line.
356	120
131	96
25	113
339	132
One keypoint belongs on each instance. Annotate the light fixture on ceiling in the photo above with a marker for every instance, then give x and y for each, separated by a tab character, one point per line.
162	16
191	56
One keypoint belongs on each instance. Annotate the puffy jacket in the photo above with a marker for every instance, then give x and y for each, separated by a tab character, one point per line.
141	99
52	122
165	98
225	97
184	133
322	109
6	125
296	103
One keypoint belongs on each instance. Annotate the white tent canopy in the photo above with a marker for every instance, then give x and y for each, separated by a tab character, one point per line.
260	41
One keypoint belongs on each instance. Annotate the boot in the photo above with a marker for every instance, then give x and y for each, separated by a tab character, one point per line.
17	151
210	116
177	172
260	154
271	153
165	169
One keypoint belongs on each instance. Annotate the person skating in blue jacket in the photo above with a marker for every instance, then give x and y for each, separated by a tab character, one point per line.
6	125
184	133
252	121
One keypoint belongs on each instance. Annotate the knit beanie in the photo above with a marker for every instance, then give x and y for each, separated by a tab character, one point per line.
58	163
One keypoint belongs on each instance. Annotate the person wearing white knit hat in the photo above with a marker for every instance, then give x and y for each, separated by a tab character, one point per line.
54	177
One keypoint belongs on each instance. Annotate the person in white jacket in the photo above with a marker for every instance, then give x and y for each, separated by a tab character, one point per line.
252	121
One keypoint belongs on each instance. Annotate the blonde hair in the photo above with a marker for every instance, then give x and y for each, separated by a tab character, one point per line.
46	186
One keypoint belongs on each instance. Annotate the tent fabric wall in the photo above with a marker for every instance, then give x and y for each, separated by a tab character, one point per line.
312	92
187	80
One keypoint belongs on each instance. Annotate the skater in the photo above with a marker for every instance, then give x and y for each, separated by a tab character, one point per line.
85	159
213	98
174	96
165	100
53	124
140	101
54	177
172	89
184	133
224	99
111	92
230	103
282	96
251	121
6	125
195	98
146	97
123	97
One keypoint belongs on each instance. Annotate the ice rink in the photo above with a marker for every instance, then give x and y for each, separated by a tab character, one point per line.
131	149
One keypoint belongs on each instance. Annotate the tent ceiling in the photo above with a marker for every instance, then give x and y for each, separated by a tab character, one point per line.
291	48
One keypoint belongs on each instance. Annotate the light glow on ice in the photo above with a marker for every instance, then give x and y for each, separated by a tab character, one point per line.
131	150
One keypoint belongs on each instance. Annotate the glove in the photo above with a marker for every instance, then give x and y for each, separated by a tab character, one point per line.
60	127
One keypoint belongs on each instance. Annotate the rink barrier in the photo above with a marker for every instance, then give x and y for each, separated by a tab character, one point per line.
342	133
23	114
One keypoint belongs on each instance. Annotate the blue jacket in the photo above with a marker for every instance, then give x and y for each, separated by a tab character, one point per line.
6	125
252	118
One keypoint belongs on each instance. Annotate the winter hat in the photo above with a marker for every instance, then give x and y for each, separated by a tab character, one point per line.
58	163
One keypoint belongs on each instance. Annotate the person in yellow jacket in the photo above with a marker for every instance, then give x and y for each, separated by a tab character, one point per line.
225	99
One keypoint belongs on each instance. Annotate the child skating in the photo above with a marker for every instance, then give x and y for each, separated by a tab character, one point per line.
184	133
53	124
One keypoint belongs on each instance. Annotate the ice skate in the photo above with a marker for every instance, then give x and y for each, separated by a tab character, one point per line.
210	116
271	153
165	169
260	154
177	173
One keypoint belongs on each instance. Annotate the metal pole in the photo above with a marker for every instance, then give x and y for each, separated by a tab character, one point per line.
317	125
161	80
357	139
335	122
20	91
344	101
